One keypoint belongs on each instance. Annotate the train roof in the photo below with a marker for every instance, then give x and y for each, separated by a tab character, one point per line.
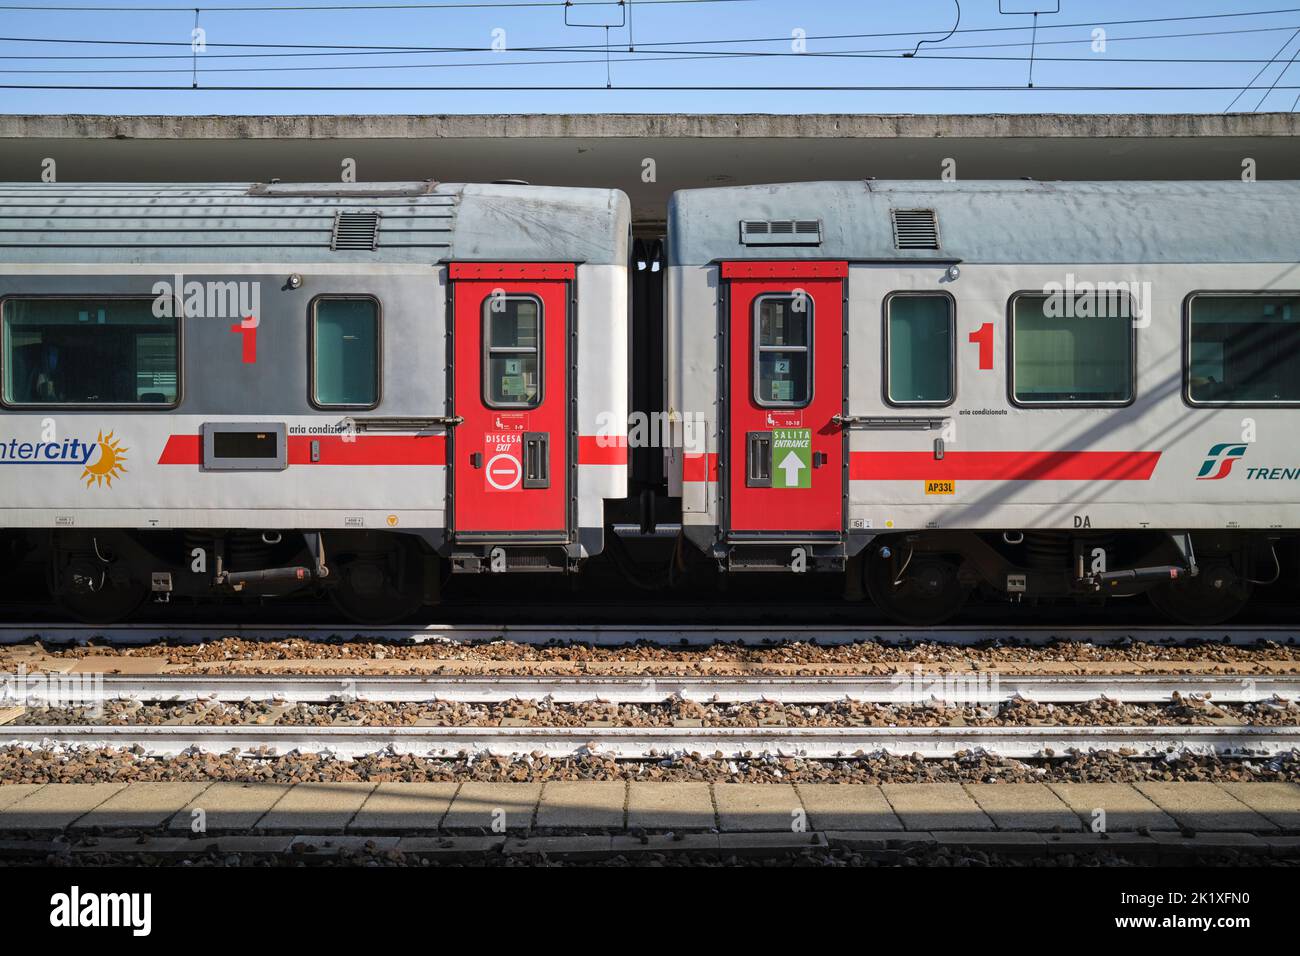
311	222
1011	221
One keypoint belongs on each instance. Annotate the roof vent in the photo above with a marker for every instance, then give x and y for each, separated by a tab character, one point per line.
915	229
781	232
355	230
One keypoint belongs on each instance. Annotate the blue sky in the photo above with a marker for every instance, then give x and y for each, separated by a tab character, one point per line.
676	43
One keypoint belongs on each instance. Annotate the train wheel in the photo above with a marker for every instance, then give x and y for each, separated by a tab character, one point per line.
108	603
924	592
1211	597
379	588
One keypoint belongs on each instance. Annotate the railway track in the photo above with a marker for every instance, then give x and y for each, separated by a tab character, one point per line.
349	739
637	743
617	635
905	688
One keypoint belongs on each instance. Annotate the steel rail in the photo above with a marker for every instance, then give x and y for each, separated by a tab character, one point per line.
617	635
643	743
913	686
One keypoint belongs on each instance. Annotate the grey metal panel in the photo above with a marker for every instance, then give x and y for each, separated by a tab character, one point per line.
1004	221
292	223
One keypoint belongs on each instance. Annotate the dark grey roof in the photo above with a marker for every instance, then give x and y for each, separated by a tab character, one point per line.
294	222
1002	221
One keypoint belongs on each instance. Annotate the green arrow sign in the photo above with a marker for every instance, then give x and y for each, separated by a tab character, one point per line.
792	458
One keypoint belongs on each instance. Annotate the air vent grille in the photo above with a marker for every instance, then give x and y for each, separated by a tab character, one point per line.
355	230
915	229
781	232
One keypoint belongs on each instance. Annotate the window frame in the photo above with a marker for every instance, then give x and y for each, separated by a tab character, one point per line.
1187	347
952	348
757	349
1011	360
486	348
311	348
110	406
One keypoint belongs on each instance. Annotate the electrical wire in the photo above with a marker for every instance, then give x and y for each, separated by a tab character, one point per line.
601	46
810	88
415	51
1261	71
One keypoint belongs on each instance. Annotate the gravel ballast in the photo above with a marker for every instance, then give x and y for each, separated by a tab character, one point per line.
85	765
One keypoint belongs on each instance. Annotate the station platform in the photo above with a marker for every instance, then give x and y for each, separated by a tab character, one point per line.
600	817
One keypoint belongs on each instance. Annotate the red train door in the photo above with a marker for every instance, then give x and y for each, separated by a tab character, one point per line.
511	453
785	385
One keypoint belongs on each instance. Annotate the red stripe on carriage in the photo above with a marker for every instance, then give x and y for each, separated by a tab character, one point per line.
602	449
1004	465
334	450
700	467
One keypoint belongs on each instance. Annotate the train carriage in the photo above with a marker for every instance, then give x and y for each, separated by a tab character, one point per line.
1042	390
258	389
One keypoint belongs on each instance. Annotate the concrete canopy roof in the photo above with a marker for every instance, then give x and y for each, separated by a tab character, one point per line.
611	150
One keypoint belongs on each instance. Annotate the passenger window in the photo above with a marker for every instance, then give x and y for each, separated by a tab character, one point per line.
512	352
345	352
88	351
1243	349
919	366
1074	350
782	350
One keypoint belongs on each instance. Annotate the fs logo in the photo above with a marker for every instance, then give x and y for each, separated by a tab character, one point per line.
1218	463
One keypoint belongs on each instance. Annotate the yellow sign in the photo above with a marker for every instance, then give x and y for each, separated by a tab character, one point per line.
940	487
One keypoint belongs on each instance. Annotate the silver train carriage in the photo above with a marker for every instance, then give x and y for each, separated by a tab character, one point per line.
259	389
1042	390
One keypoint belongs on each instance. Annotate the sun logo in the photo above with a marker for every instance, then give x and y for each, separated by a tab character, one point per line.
109	464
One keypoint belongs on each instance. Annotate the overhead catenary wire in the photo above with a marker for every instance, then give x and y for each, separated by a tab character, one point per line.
1278	78
1261	70
417	51
760	88
600	46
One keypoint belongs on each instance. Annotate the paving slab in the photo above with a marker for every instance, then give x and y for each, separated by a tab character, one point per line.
759	844
56	805
252	844
935	806
229	806
317	807
1023	806
878	839
670	806
757	806
1212	841
13	792
1126	809
577	803
405	807
142	805
587	846
1280	802
847	806
1008	841
481	805
309	845
1204	806
1089	842
665	843
449	846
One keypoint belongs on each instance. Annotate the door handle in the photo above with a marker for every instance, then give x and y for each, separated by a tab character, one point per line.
819	459
476	459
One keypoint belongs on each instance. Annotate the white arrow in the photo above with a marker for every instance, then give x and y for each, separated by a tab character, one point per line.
791	465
